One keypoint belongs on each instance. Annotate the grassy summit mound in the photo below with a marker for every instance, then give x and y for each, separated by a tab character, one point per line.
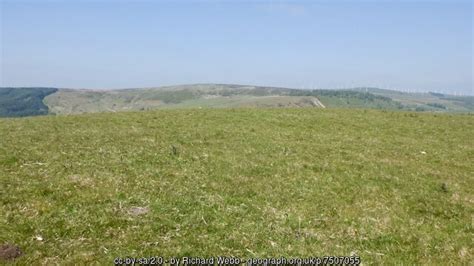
391	187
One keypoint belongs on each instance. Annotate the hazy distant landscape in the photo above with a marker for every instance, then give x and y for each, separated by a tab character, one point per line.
40	101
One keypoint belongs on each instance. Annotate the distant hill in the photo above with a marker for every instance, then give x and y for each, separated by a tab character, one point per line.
39	101
17	102
67	101
429	101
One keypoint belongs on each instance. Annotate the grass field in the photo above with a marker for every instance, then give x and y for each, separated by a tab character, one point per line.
390	187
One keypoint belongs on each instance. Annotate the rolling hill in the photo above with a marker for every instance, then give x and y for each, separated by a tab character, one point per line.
213	95
40	101
430	101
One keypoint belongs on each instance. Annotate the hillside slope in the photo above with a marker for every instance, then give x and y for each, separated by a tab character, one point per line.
17	102
429	101
209	95
74	101
391	187
227	95
68	101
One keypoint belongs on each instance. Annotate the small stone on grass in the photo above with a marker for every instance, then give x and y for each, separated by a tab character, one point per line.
136	211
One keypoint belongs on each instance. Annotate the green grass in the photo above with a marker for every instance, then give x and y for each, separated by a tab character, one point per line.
239	182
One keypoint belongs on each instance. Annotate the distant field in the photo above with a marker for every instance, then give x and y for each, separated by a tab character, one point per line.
390	187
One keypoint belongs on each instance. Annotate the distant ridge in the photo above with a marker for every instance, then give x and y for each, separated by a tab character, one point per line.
16	102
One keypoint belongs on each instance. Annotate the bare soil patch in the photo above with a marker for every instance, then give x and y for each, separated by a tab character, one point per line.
9	252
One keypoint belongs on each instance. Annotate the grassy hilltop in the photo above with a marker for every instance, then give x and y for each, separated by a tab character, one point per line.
390	187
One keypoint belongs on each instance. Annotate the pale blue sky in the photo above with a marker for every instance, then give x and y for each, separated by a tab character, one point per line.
407	45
